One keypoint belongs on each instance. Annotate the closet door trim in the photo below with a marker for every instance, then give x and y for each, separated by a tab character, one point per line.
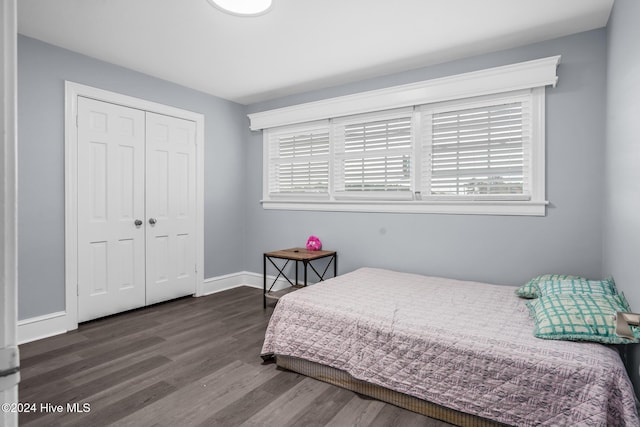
72	92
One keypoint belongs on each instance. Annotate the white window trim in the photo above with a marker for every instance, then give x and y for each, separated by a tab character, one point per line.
507	78
455	207
532	75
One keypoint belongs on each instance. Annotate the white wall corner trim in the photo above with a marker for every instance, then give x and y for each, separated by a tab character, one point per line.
9	353
523	75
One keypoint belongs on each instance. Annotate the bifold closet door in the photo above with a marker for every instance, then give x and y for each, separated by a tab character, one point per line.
170	207
136	208
111	211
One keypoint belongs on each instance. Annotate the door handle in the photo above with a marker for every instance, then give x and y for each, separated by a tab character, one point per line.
152	221
138	222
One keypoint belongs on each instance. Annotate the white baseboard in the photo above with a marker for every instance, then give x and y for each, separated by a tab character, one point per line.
40	327
243	278
48	325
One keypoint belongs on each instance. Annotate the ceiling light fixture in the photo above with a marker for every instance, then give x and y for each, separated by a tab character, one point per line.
243	7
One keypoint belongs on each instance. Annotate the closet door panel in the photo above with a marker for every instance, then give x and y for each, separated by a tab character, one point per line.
170	207
111	247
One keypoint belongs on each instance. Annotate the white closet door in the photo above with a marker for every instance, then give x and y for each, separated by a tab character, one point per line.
111	193
170	207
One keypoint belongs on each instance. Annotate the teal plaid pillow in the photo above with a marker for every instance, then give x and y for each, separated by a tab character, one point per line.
577	286
530	289
580	317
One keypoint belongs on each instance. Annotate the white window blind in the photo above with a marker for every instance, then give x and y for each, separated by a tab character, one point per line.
480	155
374	155
477	152
299	161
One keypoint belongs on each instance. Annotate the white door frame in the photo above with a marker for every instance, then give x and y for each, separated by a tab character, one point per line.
8	210
72	91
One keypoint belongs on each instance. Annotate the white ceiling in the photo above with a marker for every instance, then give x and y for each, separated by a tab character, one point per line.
301	44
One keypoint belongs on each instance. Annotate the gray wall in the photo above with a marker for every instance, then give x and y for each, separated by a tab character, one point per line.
622	185
498	249
42	70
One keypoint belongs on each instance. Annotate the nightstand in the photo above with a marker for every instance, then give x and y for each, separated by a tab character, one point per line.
303	255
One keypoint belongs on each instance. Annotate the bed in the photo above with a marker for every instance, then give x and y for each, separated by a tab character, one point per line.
459	351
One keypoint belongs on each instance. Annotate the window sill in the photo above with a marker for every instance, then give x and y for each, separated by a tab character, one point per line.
455	207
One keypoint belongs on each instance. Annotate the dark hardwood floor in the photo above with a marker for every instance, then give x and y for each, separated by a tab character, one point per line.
192	361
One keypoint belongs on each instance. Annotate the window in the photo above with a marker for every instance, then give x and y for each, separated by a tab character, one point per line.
299	161
373	156
481	154
478	149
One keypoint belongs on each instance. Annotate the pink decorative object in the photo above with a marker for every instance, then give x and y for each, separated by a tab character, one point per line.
313	244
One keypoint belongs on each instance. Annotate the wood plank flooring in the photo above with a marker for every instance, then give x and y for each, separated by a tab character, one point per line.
188	362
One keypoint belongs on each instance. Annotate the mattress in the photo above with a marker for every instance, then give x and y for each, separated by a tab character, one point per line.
463	345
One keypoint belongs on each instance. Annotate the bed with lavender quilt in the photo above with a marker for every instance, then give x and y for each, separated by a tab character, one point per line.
464	345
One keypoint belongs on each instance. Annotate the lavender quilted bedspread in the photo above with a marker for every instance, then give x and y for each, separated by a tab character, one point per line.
464	345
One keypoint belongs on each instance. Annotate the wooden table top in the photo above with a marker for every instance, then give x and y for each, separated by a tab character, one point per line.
299	254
